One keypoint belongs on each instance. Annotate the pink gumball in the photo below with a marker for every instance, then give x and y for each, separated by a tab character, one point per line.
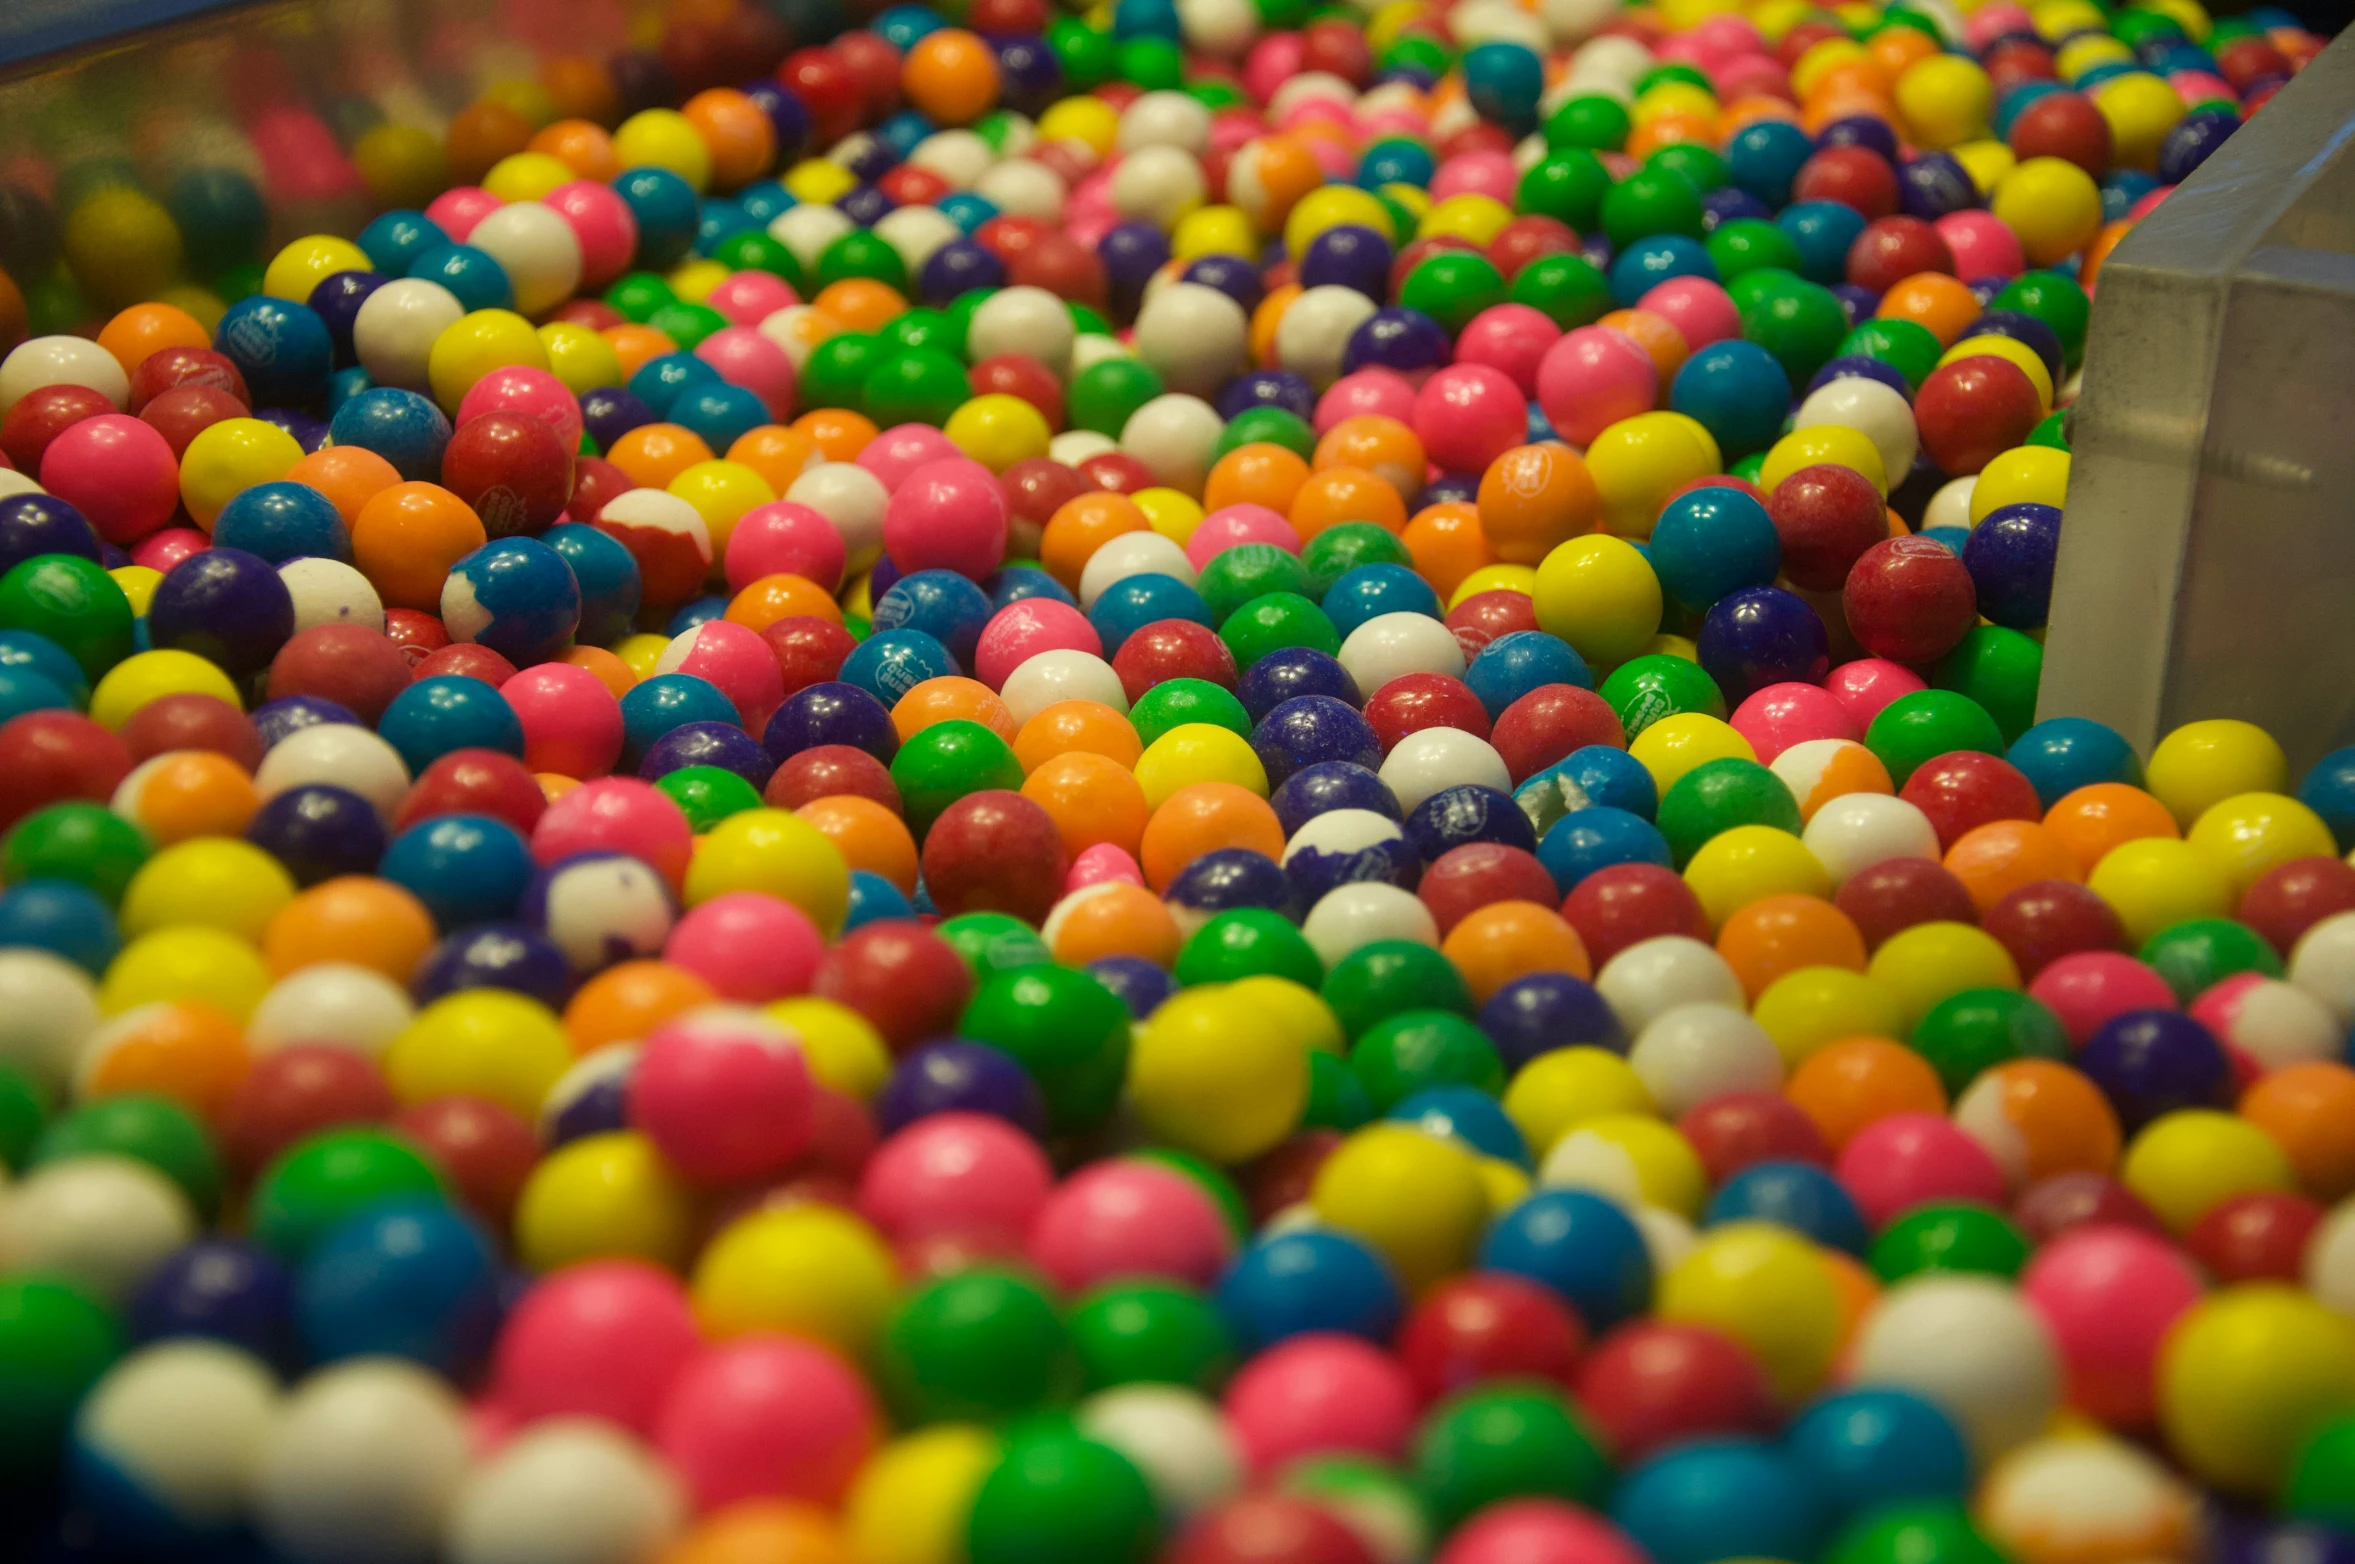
1781	715
1231	526
784	539
748	298
603	1339
162	550
1870	683
1983	244
1720	38
1103	863
1510	337
735	660
2092	987
1990	24
1538	1531
1130	1218
1752	75
617	815
2109	1296
1020	631
456	210
1378	393
1698	308
1489	173
571	722
1591	379
955	1172
947	515
723	1091
748	945
535	393
766	1417
1316	1393
746	358
116	470
1274	60
603	223
1894	1164
1468	415
2147	203
901	449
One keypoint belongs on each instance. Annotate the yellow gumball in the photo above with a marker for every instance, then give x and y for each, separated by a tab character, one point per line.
1415	1197
1478	218
1750	863
1212	230
1506	1185
1986	162
1599	594
138	583
143	677
1804	1010
664	138
1563	1088
1822	56
2156	882
2245	1375
642	653
998	430
204	964
302	265
2249	833
2026	474
2201	764
1817	444
215	882
910	1501
810	1270
1675	745
721	492
696	280
2013	351
124	247
2090	49
601	1197
230	457
1214	1075
1332	206
1767	1288
480	1042
1637	463
1088	120
1496	578
479	343
2053	205
1931	962
2141	109
845	1052
778	853
527	176
1945	99
1633	1158
579	357
1198	752
1173	512
2183	1163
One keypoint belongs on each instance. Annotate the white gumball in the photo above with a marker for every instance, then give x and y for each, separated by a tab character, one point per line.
330	592
1175	1437
1857	830
180	1425
1024	187
1692	1053
340	754
807	229
1193	336
1315	331
362	1466
102	1222
566	1491
1652	977
1065	674
538	250
394	333
1390	646
1174	435
61	361
1972	1345
1873	410
1435	759
48	1009
1158	185
1164	118
1024	320
852	498
1132	554
335	1002
1356	915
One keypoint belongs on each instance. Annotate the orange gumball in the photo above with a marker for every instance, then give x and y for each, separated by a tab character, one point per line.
742	140
1114	918
653	454
189	793
1447	543
1382	446
1996	859
782	596
624	1002
1339	494
407	538
1777	935
1082	525
762	1531
148	328
1262	473
1856	1290
861	303
181	1049
635	346
951	76
2091	820
582	87
1944	305
1505	940
1847	1084
1088	727
1091	798
1534	499
356	918
2089	270
1657	336
610	670
1893	49
479	135
1672	127
952	699
580	145
1265	320
2050	1118
837	432
349	475
1202	818
2309	1110
868	836
779	454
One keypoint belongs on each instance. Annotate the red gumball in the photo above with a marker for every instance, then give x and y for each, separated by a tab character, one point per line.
1964	790
418	634
42	415
1038	486
2042	922
475	782
999	18
1280	1179
912	186
595	481
466	659
2052	1206
1826	517
1337	48
995	851
1117	472
842	1136
1650	1383
834	97
1064	267
1742	1129
875	65
1550	723
1019	375
192	721
2257	1236
50	757
1851	175
1892	896
1973	410
2291	898
809	650
512	469
486	1151
167	369
831	771
1910	600
1805	36
1465	879
1527	239
358	668
184	412
907	981
1415	701
1268	1528
2017	61
2250	59
1892	249
1173	649
2065	125
1479	136
296	1092
1629	903
1009	238
1488	1325
595	314
1496	613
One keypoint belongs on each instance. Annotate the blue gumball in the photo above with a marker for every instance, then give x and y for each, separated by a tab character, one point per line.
1133	602
873	899
1291	673
319	832
516	596
890	663
394	240
1765	156
227	606
605	574
701	611
26	651
494	955
409	1278
1136	982
2062	754
281	348
1313	730
1591	774
830	713
942	604
451	711
1761	636
1596	838
1370	591
2010	556
653	707
276	721
1736	390
282	521
1712	542
466	869
1295	1283
1878	1445
1224	879
609	412
599	908
1503	80
220	1289
1721	1499
472	276
1344	847
35	524
1468	1116
1456	816
1583	1247
1649	262
1544	1011
1824	231
719	744
957	1075
1329	785
1796	1195
720	414
666	211
1517	663
591	1098
62	918
404	428
22	690
1015	583
2329	790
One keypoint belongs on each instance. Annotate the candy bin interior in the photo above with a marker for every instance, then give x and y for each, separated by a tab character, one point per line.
1184	782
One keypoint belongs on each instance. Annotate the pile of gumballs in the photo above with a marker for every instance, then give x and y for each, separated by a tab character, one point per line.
1210	784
